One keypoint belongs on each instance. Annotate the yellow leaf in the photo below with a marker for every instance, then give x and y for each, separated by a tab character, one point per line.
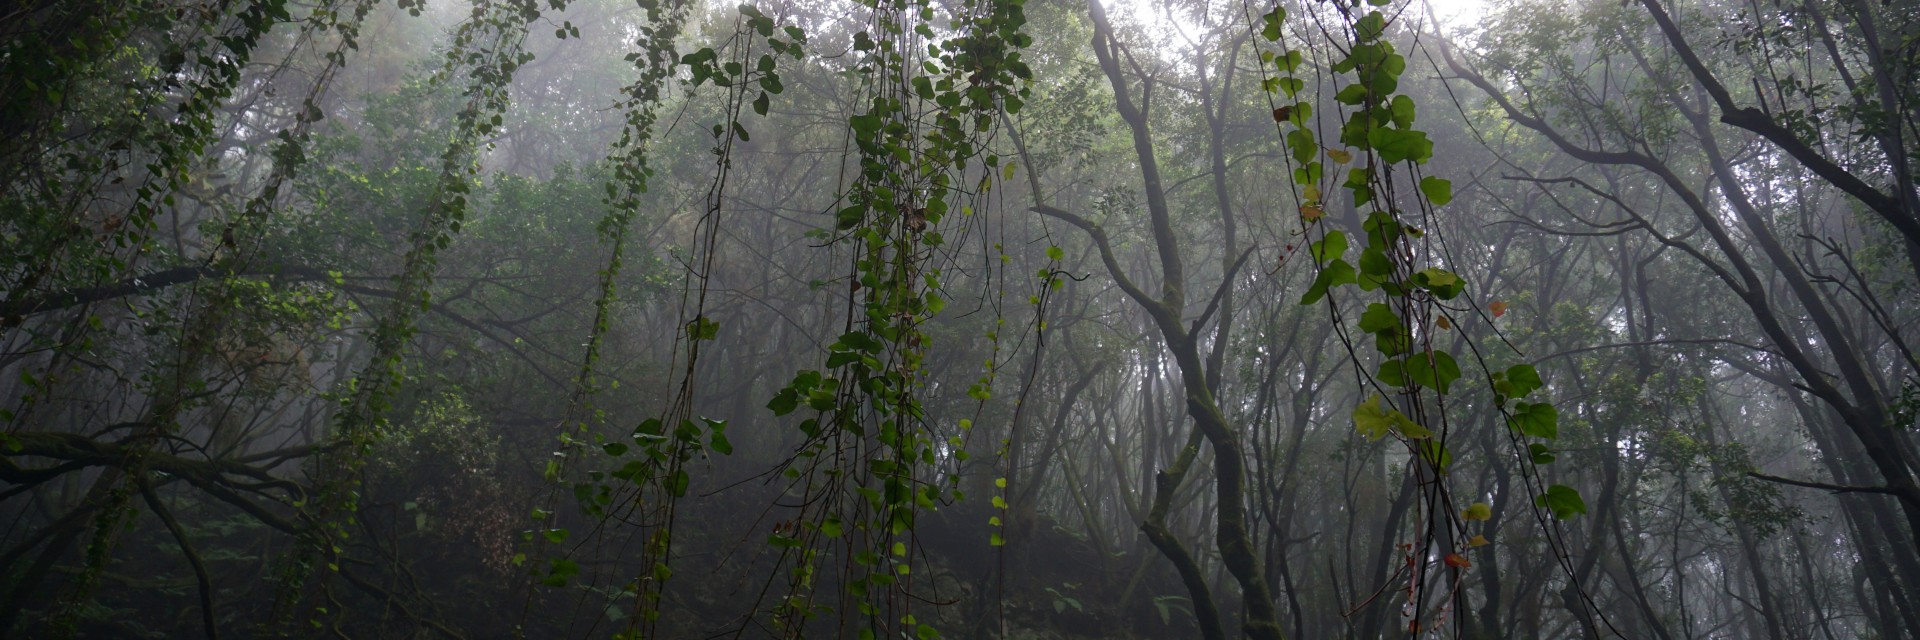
1407	427
1340	155
1371	420
1443	323
1478	511
1375	422
1477	541
1312	192
1311	212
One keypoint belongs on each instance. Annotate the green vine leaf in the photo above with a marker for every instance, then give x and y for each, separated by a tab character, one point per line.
1398	145
1443	284
1371	420
1436	370
1563	501
1518	381
1332	246
1392	372
1334	274
1375	421
1439	191
1402	111
1539	420
1379	318
702	328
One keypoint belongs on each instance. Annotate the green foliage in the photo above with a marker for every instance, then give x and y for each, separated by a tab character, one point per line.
1736	499
1376	422
1408	309
366	211
1437	190
1563	501
1062	602
916	138
1167	605
1538	420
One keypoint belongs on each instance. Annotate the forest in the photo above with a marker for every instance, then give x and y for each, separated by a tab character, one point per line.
983	319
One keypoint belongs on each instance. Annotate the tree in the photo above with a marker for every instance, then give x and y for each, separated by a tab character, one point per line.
986	318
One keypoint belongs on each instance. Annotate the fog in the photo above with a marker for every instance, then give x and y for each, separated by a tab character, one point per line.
985	319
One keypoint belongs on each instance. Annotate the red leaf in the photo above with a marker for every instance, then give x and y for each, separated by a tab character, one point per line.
1458	561
1499	308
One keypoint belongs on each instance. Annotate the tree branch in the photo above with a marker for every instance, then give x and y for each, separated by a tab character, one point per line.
13	310
200	576
1756	121
1153	306
1830	488
1226	285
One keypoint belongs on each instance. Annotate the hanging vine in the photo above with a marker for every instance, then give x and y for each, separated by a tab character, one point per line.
867	468
1378	154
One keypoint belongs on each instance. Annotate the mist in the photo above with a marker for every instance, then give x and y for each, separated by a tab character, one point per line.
981	319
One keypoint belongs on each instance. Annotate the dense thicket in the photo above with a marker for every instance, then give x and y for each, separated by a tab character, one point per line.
981	318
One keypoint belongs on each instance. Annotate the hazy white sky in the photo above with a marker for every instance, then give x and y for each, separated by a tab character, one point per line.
1455	12
1152	12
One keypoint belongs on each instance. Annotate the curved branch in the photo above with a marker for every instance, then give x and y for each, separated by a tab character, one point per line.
200	576
1757	121
208	475
1106	49
1160	312
14	310
1226	286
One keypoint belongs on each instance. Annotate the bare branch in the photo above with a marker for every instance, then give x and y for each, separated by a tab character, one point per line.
1830	488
